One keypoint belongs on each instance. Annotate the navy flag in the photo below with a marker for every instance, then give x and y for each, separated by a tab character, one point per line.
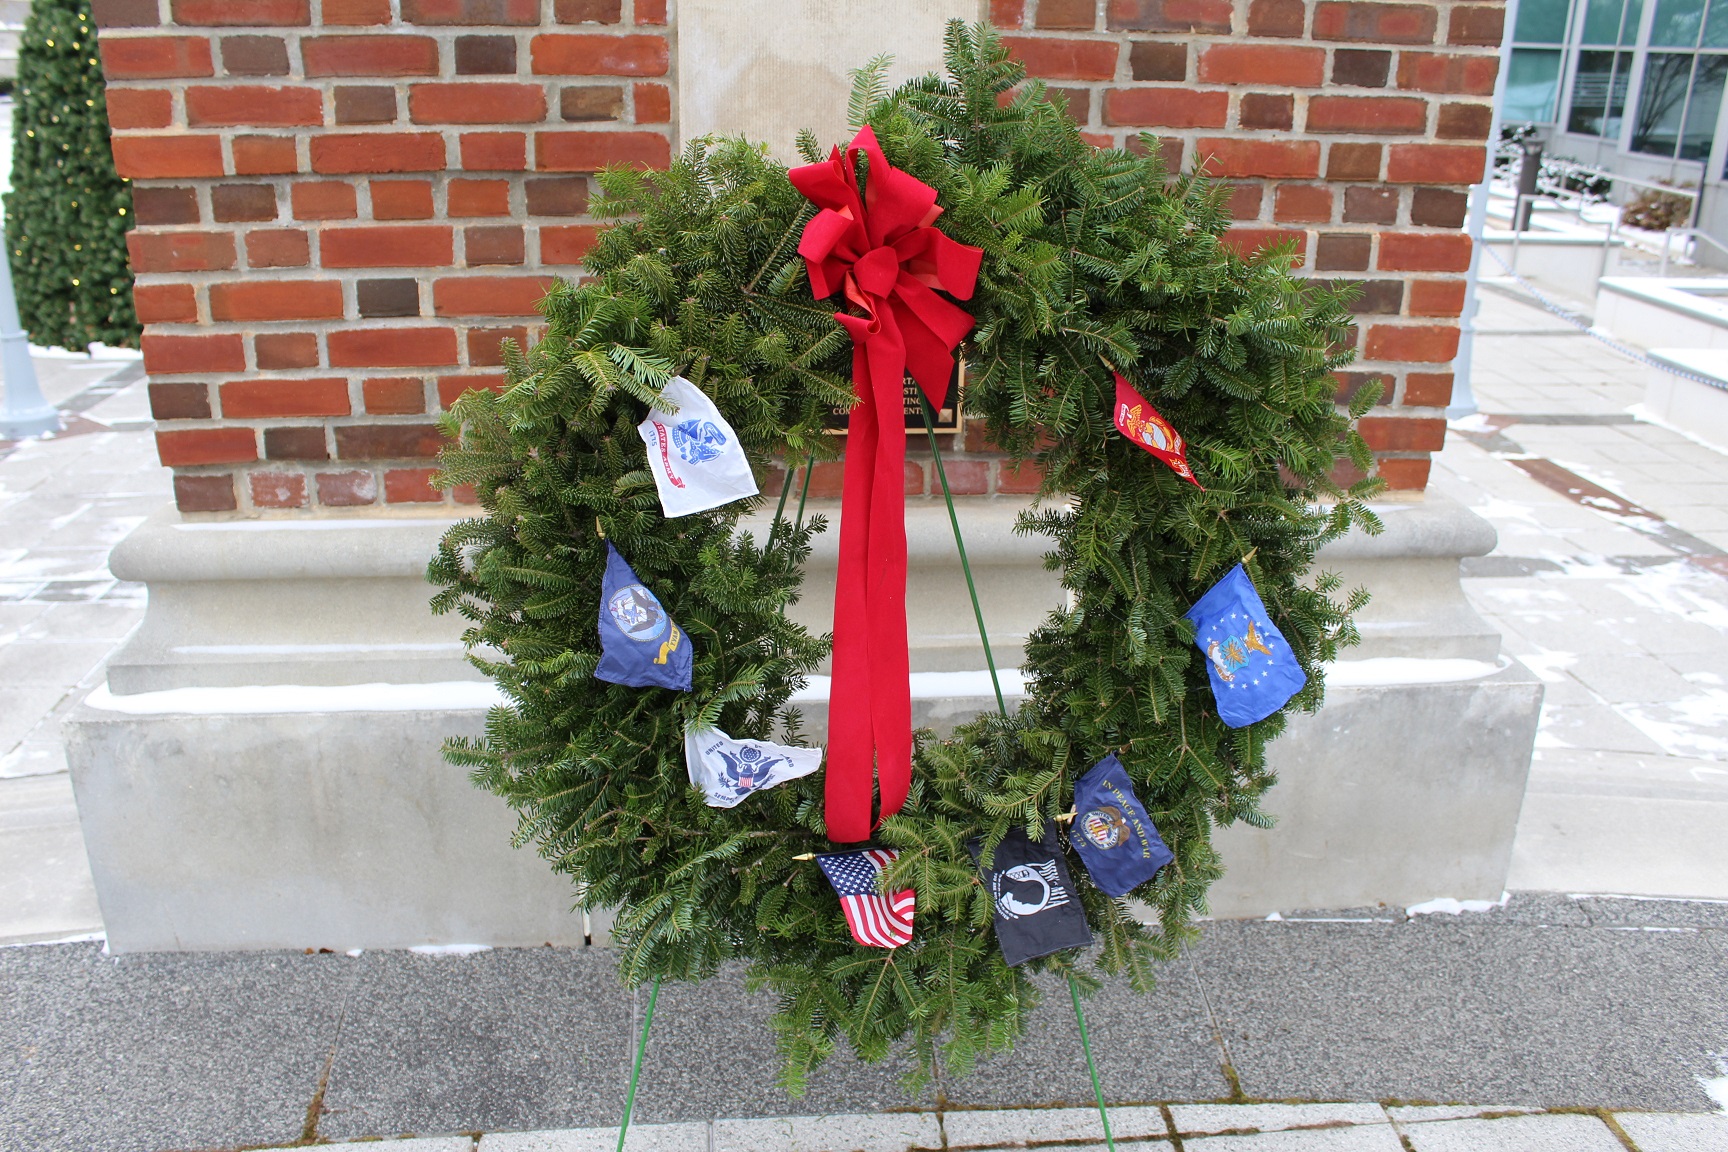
1037	908
640	647
1253	670
1114	836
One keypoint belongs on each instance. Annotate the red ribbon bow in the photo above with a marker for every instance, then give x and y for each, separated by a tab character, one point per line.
879	249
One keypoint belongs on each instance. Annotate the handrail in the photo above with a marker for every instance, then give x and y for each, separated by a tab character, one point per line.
1695	235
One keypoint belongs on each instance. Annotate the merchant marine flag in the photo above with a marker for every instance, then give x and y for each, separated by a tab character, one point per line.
1112	833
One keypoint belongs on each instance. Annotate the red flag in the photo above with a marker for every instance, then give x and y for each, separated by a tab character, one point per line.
1140	422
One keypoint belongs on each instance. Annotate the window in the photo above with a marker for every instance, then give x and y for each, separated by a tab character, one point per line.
1538	42
1681	90
1599	84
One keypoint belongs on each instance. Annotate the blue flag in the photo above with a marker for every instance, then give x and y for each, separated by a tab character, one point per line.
1252	667
640	647
1116	840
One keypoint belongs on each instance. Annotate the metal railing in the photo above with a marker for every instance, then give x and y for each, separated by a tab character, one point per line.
1695	235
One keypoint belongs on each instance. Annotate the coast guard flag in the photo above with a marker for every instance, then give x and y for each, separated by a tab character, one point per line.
1252	668
694	454
876	920
728	770
640	647
1037	910
1116	840
1140	422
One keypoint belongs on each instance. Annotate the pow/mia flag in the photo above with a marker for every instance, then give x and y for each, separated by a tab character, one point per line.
1114	836
1037	909
640	647
728	770
694	454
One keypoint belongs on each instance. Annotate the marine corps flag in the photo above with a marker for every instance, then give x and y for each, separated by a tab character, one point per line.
1140	422
640	647
1114	836
1252	667
1037	910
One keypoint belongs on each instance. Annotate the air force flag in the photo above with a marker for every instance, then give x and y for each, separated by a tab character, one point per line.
1252	667
640	647
1116	840
694	454
728	770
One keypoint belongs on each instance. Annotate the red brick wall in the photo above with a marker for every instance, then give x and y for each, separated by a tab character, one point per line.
342	205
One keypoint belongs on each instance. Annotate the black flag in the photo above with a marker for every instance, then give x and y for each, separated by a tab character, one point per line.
1037	907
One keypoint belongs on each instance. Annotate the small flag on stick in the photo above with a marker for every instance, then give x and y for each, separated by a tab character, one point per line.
1253	670
728	770
1114	836
1140	422
876	920
1037	909
694	454
640	647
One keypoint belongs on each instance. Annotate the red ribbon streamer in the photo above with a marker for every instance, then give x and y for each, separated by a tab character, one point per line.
880	250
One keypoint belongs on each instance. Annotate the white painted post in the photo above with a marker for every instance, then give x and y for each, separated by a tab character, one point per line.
24	411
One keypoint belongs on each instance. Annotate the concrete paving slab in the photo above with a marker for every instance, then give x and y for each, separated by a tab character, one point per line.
1543	1133
1585	842
1668	1132
860	1133
1368	1138
1018	1127
45	887
413	1144
1429	1113
640	1138
1225	1119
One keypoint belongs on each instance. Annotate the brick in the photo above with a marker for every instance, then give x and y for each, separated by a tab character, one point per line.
180	401
277	248
1342	252
411	486
1281	18
1479	25
1302	204
467	198
295	443
386	298
394	395
486	345
1007	14
389	246
139	108
1404	475
265	156
346	489
653	103
1446	72
1166	107
476	102
125	13
1464	122
339	153
965	477
235	203
365	104
158	206
1351	383
1361	67
165	303
1376	297
1068	15
1267	111
231	13
1428	389
1077	102
1170	150
1065	59
451	388
1263	64
1438	207
1016	479
1436	298
1424	252
1370	204
502	244
1375	23
591	54
1354	162
494	151
1277	159
1403	433
485	55
577	151
285	351
277	489
155	57
1435	163
1390	115
250	399
826	479
557	195
195	446
324	200
1157	60
167	157
489	295
254	56
355	12
1428	344
1248	242
387	441
567	245
243	300
370	55
1244	201
180	251
393	348
204	493
588	11
470	12
1208	16
651	12
401	199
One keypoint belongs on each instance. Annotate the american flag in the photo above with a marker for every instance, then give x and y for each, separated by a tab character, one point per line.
877	921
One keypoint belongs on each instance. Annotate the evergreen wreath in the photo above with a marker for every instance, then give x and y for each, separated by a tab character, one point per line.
1094	260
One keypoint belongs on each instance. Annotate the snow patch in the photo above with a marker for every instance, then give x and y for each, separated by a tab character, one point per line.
1384	670
1689	726
448	949
83	938
1716	1087
929	686
1548	665
1447	906
348	524
451	695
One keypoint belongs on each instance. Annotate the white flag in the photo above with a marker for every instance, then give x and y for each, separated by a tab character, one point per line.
694	454
729	770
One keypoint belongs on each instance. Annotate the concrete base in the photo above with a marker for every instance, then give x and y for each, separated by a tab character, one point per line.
1700	406
1651	312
